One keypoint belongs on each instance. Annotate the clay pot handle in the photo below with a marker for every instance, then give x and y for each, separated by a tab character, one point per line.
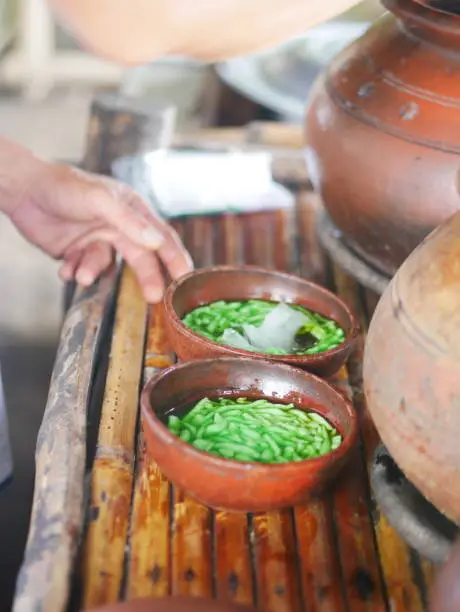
445	595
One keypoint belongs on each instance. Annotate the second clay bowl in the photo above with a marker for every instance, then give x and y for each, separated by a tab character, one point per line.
234	485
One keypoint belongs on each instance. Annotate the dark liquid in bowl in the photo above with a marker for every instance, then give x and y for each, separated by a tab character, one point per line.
178	411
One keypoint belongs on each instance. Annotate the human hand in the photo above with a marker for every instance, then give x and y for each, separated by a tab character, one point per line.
80	218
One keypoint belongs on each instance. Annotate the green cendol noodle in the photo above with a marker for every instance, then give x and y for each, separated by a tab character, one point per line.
237	323
255	430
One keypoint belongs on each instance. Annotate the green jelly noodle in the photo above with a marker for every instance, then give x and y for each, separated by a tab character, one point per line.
212	320
255	430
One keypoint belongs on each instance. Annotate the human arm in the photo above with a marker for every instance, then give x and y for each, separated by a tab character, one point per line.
140	31
80	218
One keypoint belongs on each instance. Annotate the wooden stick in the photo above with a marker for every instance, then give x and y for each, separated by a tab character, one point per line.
319	566
278	586
149	563
149	567
57	514
191	548
359	560
276	134
261	133
191	528
113	467
233	571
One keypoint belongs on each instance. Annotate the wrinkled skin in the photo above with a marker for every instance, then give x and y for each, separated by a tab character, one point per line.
82	218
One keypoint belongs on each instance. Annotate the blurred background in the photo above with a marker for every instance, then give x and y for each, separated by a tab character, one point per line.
46	87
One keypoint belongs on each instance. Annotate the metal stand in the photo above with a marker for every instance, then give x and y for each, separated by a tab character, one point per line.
414	518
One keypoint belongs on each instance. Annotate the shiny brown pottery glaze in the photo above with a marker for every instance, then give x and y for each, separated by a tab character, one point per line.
382	132
174	604
243	283
412	368
232	485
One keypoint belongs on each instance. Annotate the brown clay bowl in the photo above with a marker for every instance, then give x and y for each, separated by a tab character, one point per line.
232	485
228	283
173	604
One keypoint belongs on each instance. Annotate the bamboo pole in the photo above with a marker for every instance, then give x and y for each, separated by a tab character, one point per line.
149	565
112	477
57	513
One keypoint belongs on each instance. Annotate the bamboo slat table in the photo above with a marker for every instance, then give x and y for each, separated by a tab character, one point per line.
134	534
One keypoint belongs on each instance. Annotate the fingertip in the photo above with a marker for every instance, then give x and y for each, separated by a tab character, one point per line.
178	262
84	277
153	295
177	273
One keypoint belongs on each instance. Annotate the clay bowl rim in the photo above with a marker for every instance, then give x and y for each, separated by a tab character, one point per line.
303	360
315	463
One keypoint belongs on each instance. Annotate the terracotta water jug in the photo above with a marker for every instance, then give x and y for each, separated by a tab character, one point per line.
383	131
412	368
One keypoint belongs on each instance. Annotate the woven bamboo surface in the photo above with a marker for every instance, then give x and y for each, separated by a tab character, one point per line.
145	538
